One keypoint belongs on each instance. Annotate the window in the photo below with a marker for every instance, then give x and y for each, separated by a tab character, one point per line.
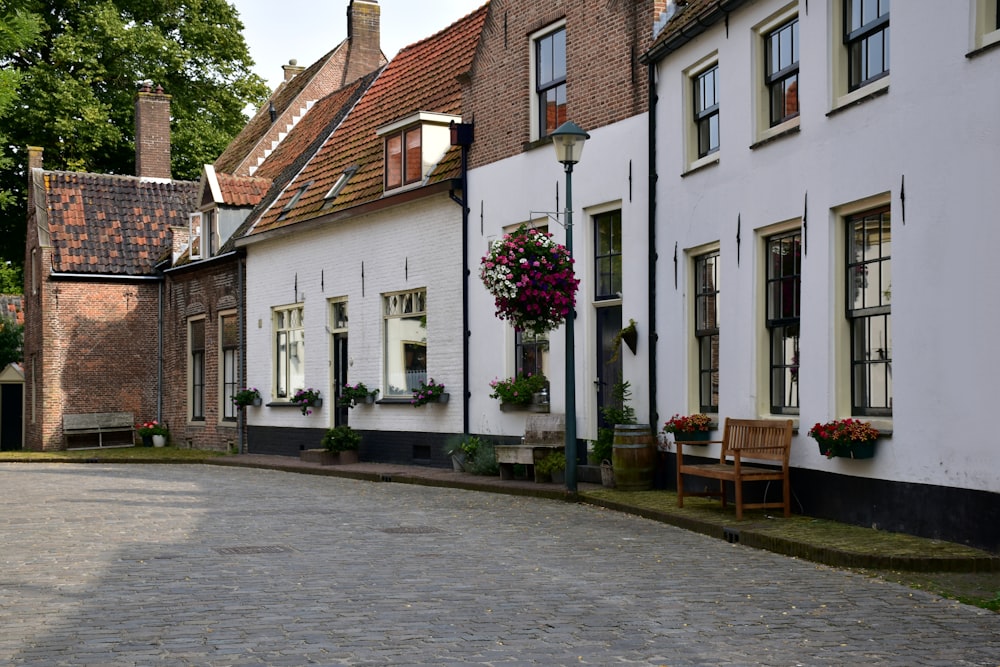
866	35
196	345
289	357
229	354
986	23
340	183
781	71
608	255
706	329
550	81
405	342
784	275
194	234
706	110
403	160
868	296
531	353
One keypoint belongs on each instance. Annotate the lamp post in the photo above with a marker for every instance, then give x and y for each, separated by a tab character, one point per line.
568	140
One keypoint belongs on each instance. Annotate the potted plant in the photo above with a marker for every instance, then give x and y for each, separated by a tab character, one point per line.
344	442
307	399
518	391
618	412
463	452
247	396
351	395
153	433
849	438
551	467
531	279
431	392
688	428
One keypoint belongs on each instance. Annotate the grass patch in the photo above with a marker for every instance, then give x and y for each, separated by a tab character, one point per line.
112	454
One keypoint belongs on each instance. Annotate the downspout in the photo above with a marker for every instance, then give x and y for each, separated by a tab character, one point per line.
240	354
651	241
159	355
462	135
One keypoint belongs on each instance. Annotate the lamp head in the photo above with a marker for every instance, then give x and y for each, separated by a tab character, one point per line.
568	140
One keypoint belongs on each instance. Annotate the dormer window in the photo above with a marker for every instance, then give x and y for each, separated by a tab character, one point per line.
403	158
413	147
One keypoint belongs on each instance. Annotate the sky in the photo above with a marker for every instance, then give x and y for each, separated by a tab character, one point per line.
280	30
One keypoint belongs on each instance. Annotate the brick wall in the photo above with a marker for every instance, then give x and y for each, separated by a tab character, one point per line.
99	342
152	133
199	292
605	82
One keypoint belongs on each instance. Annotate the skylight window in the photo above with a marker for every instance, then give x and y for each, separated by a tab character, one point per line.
294	200
341	182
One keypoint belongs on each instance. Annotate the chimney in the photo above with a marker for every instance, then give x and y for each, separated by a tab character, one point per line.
34	159
365	47
152	132
291	69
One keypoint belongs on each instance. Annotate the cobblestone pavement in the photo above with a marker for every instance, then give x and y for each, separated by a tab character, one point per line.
204	565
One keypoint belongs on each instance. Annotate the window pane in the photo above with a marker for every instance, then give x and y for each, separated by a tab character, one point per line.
414	168
229	382
531	353
559	55
405	342
394	161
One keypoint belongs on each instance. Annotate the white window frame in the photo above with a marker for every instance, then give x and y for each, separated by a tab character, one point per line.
841	95
193	417
839	324
690	141
535	111
228	414
418	309
280	392
985	30
762	99
195	240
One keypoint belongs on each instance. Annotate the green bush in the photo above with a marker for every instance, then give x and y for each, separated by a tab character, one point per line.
341	439
619	412
483	461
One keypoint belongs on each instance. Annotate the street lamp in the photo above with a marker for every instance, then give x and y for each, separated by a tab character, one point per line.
568	140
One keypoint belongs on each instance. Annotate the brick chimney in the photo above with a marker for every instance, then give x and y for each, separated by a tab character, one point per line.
363	33
152	132
291	69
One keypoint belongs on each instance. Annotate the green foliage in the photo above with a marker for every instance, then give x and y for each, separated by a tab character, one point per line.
11	278
341	439
483	461
11	341
618	412
69	74
552	462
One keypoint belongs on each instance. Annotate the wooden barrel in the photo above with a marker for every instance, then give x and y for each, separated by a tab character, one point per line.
633	457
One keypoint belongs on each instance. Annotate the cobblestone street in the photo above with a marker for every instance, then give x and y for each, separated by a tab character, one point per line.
206	565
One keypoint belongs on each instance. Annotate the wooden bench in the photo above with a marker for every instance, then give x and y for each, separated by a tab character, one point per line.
543	433
101	424
757	439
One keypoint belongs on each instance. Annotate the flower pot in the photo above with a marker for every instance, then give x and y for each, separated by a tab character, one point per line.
147	440
848	450
692	436
369	399
513	407
159	441
443	398
458	462
348	457
257	402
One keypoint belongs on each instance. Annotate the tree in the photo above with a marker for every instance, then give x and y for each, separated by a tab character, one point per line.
11	280
77	63
11	341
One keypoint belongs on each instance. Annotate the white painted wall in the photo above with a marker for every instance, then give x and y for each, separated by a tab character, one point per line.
409	247
937	127
523	188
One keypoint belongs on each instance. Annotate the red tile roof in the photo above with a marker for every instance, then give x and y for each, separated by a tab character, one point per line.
12	307
242	191
112	225
422	77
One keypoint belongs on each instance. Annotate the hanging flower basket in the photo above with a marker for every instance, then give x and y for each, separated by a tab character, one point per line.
531	279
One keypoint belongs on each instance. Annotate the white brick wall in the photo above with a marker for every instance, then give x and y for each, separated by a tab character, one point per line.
413	246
